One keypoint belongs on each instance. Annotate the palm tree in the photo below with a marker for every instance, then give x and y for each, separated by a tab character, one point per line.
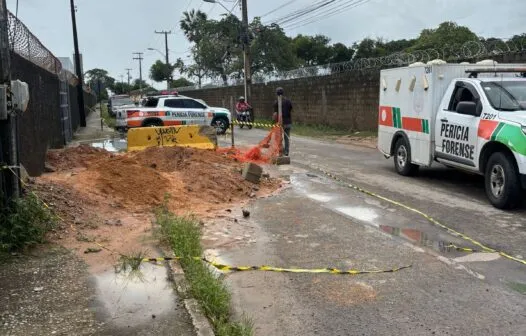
192	25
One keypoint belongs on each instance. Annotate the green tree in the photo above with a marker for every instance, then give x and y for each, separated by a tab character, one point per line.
192	25
398	45
369	48
180	82
195	70
271	49
339	52
121	88
160	71
312	50
137	84
95	76
447	34
518	41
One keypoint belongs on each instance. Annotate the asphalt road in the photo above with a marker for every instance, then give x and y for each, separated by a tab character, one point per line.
317	223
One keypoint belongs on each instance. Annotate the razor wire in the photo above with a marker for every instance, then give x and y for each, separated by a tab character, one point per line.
468	51
28	46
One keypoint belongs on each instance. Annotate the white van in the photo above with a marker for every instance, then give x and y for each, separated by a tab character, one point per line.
467	116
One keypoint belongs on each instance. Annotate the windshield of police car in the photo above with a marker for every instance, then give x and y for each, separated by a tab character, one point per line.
506	95
122	101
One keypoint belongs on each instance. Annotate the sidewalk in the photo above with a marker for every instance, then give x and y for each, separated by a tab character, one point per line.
53	290
95	128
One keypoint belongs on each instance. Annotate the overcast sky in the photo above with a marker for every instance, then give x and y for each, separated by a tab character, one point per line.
111	30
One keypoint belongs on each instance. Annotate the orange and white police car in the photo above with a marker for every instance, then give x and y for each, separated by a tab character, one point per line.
174	110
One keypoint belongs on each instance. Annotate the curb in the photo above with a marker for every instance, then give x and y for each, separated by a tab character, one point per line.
201	324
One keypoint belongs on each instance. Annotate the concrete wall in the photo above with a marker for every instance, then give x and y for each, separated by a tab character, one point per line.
346	100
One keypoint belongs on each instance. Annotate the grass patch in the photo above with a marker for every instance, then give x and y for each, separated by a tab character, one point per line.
319	130
24	222
184	236
108	119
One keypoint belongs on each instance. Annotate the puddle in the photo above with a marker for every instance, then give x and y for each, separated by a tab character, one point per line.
131	300
320	197
111	145
420	238
360	213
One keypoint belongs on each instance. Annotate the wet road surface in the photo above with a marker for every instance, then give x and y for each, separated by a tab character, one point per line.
320	223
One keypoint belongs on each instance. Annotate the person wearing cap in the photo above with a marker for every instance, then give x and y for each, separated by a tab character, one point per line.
242	105
286	114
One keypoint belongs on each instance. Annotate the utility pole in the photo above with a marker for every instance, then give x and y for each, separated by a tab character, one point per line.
166	33
129	76
139	58
9	182
129	79
246	52
80	89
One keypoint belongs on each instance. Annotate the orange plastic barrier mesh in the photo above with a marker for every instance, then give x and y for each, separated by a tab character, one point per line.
267	149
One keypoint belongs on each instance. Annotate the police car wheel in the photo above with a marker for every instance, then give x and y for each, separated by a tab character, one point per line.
221	125
502	181
402	158
153	123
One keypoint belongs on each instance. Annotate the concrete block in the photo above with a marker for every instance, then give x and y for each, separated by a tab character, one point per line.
252	172
281	160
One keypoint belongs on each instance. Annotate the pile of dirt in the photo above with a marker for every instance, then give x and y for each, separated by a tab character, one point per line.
127	180
75	157
193	179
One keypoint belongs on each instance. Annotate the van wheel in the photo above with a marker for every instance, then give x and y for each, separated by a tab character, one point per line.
502	183
402	158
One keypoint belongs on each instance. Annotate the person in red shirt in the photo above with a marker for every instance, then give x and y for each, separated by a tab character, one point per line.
242	105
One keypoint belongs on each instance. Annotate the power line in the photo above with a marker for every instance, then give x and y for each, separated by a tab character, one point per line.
234	6
279	8
302	12
326	14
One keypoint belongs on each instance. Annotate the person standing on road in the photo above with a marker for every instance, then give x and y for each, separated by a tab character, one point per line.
286	111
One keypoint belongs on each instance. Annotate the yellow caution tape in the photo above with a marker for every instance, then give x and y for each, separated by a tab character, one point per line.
223	267
465	249
235	122
426	216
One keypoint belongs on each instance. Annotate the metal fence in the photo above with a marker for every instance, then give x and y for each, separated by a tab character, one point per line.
52	115
27	45
453	53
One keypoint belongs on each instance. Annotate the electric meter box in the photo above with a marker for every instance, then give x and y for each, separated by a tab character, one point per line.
20	92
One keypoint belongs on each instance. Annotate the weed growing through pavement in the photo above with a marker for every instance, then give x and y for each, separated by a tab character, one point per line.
24	222
130	265
184	236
